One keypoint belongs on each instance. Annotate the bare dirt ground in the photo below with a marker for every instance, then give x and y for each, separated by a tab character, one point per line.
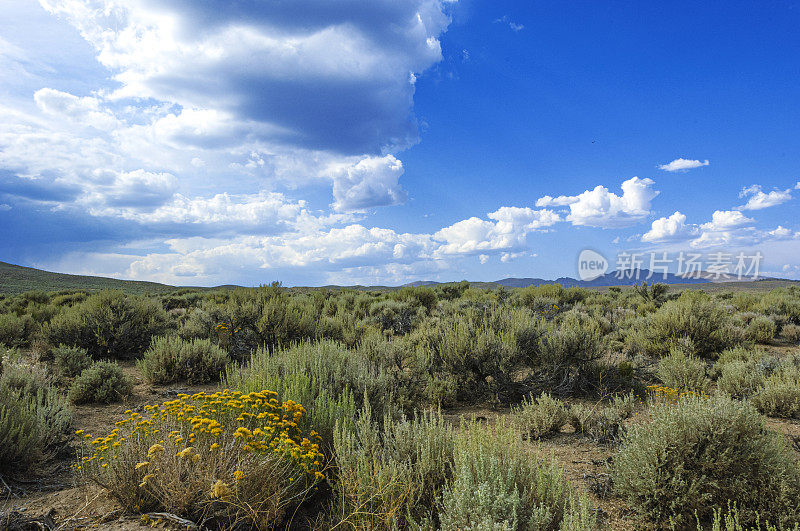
61	499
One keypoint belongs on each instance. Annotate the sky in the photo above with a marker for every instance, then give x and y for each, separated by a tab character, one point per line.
385	141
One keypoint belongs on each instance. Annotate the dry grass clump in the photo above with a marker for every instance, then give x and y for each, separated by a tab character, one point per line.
391	473
225	458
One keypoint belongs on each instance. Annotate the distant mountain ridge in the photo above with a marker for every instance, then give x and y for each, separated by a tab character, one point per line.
609	279
17	279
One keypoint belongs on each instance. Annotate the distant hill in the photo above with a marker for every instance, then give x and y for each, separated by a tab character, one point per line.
17	279
609	279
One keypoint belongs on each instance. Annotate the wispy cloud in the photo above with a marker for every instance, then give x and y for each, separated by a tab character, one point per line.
682	165
510	23
758	199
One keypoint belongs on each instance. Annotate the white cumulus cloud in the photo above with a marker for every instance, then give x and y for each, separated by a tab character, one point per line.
602	208
668	229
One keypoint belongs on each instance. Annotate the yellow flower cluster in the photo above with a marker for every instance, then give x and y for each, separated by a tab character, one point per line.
204	424
662	393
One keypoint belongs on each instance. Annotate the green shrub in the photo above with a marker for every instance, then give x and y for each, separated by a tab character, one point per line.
740	379
728	520
791	332
15	330
476	349
498	484
391	477
698	454
171	359
108	324
396	317
564	358
539	417
322	375
761	329
780	302
23	375
603	423
739	353
103	382
780	394
697	317
71	361
34	424
683	371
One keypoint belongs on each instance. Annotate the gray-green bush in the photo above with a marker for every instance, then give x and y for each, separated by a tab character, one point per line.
683	371
34	421
603	422
172	359
695	316
498	484
16	330
103	382
761	329
70	361
391	475
696	455
539	417
108	324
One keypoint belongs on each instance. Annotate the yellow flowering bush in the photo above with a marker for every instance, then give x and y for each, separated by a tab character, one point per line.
222	457
662	394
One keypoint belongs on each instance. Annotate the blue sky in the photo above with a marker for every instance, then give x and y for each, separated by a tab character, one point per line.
381	142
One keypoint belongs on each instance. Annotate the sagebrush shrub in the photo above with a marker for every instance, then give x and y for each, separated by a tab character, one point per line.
542	416
696	455
780	394
108	324
601	422
16	331
397	317
740	379
70	361
761	329
680	370
22	374
791	332
695	316
391	474
102	382
498	484
34	423
172	359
